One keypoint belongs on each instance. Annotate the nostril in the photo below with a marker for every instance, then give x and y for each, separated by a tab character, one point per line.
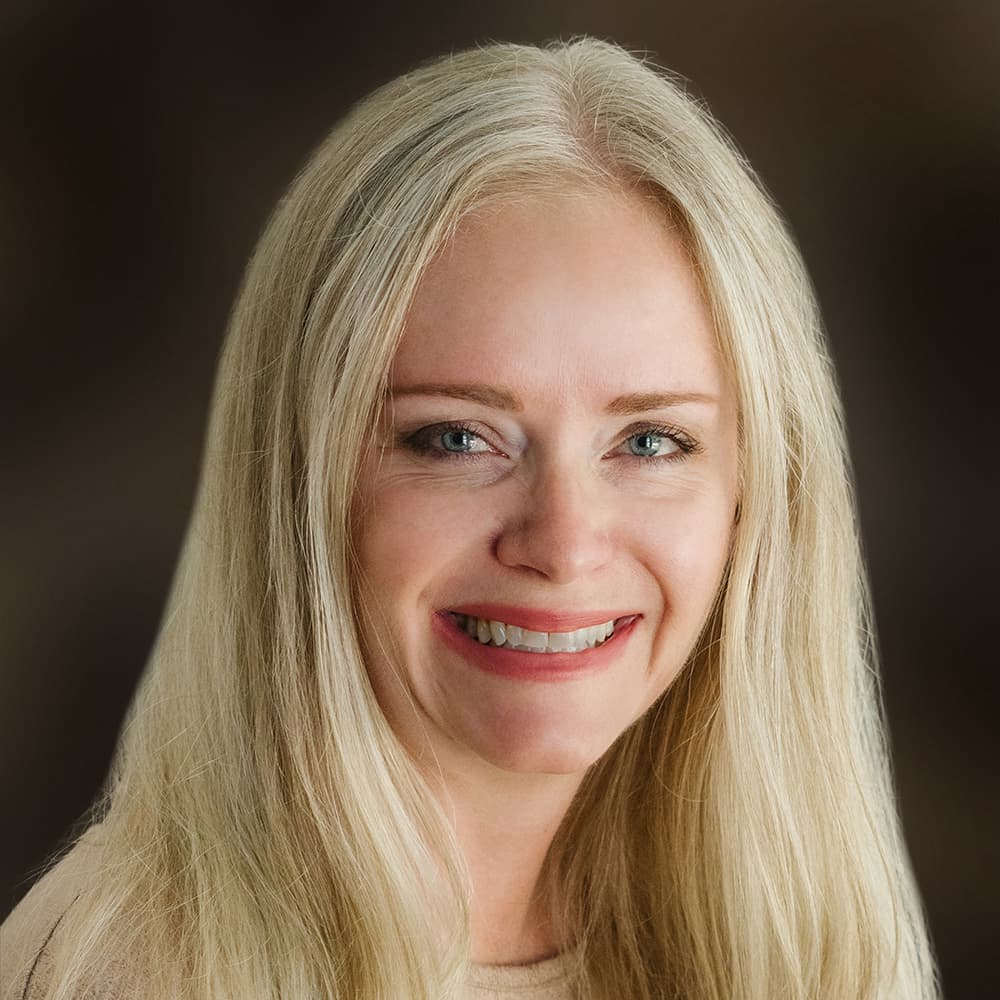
560	551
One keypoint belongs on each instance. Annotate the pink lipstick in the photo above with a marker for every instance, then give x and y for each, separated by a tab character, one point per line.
534	666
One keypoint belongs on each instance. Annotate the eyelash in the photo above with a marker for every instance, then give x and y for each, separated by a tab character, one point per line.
420	442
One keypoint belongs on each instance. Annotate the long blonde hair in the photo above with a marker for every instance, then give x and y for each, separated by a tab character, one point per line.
265	834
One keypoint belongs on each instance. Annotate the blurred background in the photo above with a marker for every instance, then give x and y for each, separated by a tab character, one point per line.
142	150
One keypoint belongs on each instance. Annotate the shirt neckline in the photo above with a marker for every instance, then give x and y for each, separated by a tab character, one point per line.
544	972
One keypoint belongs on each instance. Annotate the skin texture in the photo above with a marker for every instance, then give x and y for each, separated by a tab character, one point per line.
565	303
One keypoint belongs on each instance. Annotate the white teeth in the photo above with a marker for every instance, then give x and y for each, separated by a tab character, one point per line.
560	642
534	640
514	637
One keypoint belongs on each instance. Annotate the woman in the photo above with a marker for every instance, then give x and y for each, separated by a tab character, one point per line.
520	642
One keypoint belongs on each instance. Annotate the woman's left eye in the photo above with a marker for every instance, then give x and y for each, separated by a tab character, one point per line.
666	443
647	444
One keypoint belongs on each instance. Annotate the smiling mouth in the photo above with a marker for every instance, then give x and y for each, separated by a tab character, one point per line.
489	632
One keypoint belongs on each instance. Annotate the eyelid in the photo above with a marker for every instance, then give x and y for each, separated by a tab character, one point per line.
687	444
419	439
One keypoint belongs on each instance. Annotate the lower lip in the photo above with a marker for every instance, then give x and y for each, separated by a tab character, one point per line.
523	666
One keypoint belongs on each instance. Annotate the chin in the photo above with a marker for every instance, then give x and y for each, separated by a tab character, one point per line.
554	758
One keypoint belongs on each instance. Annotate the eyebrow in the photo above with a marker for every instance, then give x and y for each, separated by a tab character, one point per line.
499	398
496	398
641	402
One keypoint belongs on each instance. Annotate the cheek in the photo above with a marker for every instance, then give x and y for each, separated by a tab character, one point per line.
395	542
687	538
409	533
686	556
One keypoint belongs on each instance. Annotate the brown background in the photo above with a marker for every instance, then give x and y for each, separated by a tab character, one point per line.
142	150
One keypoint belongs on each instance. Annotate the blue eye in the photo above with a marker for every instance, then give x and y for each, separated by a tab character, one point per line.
646	445
657	443
457	439
446	441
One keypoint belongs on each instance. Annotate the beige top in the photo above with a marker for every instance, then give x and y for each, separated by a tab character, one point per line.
25	963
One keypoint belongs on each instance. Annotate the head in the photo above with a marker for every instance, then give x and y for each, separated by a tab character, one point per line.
399	241
523	203
557	454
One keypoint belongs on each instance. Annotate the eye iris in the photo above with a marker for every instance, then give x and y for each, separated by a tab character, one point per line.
456	440
645	445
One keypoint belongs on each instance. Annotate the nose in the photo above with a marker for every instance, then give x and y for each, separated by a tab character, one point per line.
560	530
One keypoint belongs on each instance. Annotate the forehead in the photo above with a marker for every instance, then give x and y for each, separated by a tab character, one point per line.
562	294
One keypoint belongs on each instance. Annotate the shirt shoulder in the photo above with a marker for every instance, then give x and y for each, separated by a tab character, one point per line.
25	936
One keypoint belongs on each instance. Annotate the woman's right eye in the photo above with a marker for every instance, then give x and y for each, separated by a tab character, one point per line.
446	441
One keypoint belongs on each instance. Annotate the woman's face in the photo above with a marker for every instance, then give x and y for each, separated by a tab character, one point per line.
559	456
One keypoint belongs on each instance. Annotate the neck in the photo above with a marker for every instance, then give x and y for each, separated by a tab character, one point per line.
505	823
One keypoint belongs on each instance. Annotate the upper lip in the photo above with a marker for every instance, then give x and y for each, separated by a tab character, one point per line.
539	619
